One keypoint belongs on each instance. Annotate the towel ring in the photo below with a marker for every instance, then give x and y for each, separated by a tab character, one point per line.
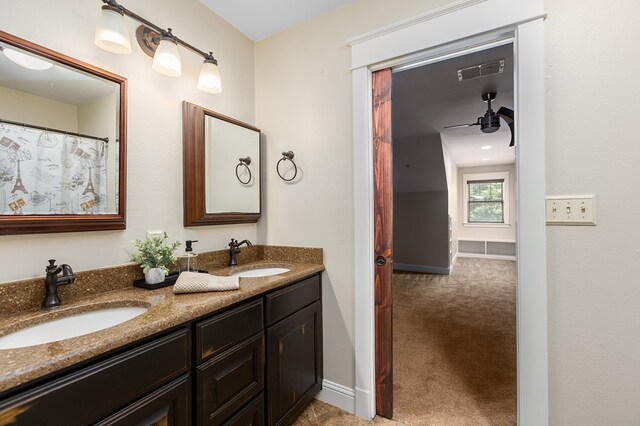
287	155
244	162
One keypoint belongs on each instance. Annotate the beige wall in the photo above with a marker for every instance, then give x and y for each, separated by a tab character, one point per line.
592	117
42	111
154	153
480	232
303	103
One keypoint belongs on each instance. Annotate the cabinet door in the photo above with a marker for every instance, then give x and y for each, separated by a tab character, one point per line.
294	364
168	406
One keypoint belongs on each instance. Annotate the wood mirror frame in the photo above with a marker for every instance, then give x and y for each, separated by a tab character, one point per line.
193	156
37	224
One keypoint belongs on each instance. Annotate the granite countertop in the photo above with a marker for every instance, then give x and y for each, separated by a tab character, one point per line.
166	310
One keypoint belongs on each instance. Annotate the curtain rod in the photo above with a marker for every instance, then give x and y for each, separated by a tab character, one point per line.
47	129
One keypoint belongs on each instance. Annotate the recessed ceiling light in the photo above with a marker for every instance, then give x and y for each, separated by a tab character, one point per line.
486	147
485	159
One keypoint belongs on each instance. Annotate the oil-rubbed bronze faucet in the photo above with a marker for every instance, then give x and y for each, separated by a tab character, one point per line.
53	280
234	249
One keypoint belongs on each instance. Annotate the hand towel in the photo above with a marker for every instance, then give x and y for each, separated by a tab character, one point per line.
194	282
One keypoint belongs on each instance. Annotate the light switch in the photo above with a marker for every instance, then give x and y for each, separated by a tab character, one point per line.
155	234
571	210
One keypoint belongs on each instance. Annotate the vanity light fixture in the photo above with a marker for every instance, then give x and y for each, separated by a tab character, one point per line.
26	61
166	60
113	36
111	32
209	79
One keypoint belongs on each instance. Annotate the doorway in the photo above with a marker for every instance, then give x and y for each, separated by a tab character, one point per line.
439	35
452	192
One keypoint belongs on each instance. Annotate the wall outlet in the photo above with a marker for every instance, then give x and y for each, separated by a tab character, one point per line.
155	234
571	210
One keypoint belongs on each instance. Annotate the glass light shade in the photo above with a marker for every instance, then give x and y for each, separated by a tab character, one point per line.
167	59
209	80
26	61
112	33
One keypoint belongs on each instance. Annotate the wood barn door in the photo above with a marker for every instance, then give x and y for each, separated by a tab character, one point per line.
383	235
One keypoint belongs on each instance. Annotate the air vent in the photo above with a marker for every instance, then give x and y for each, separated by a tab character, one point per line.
482	70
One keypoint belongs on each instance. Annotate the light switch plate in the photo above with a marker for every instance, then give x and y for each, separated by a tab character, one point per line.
155	234
571	210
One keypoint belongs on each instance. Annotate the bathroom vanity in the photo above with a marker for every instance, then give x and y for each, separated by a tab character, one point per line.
252	356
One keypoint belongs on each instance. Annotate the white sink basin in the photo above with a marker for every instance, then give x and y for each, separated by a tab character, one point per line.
263	272
68	327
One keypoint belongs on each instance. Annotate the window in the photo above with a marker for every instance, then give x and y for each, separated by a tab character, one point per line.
486	199
486	204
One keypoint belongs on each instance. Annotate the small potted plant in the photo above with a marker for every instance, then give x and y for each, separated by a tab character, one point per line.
154	254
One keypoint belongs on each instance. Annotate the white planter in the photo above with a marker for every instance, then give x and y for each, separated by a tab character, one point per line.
154	276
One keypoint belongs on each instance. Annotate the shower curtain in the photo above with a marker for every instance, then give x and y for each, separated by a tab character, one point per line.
46	172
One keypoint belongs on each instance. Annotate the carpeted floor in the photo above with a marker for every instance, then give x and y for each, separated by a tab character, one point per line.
454	347
454	350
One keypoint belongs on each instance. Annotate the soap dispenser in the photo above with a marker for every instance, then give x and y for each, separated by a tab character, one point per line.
188	262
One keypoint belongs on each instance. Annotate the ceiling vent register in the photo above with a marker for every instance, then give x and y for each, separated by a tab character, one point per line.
482	70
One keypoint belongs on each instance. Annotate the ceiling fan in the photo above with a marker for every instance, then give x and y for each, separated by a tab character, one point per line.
490	121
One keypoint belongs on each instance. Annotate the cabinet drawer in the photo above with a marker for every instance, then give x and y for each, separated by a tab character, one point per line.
282	303
94	392
216	335
168	406
251	415
230	380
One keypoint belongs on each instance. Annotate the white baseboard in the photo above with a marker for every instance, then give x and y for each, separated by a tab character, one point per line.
453	263
487	256
440	270
338	396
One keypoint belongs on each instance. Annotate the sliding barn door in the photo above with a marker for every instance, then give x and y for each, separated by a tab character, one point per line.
383	223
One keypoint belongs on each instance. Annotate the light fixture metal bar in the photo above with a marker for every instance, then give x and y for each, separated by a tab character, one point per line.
159	30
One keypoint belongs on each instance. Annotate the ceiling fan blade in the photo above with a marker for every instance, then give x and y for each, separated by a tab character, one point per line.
460	126
507	115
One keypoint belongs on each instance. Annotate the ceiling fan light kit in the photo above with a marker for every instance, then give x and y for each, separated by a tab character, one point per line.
490	121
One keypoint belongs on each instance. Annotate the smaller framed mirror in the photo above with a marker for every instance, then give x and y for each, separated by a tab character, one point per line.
221	168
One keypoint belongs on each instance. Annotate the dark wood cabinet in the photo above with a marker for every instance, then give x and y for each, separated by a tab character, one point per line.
92	393
231	345
229	362
256	363
294	357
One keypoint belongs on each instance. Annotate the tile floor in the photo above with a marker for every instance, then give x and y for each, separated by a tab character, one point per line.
320	414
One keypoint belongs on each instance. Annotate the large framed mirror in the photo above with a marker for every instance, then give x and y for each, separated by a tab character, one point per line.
221	168
62	142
